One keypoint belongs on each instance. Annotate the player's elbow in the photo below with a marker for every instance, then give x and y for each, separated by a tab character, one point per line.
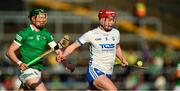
7	53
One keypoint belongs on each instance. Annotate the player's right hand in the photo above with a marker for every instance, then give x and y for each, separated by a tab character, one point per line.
23	66
124	63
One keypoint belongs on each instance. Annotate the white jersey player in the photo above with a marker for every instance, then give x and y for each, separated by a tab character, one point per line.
104	47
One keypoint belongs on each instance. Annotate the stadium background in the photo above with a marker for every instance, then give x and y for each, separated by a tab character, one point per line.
155	41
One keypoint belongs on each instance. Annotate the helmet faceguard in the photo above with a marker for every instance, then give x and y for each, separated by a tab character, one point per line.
35	12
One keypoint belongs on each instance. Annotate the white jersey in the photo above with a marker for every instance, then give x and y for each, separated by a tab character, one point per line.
102	47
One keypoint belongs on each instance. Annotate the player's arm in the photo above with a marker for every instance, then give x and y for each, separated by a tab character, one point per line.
55	46
80	41
120	55
11	54
58	52
70	49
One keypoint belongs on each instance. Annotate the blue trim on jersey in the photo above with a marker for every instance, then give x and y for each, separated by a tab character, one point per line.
79	41
92	73
90	49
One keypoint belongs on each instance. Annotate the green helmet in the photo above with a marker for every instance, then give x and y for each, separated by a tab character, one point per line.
35	12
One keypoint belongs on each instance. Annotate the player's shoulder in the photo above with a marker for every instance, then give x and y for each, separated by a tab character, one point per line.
115	30
46	33
44	30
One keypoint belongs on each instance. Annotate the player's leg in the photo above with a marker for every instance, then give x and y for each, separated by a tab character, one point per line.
98	79
103	82
17	84
32	79
23	87
35	83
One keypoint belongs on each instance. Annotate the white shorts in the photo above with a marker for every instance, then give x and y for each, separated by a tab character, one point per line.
92	73
29	73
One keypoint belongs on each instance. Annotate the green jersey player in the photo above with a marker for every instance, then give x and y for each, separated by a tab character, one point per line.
31	41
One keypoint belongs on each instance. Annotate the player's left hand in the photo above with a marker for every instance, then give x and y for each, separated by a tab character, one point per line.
23	66
59	56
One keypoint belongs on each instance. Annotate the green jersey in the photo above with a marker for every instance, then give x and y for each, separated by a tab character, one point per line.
32	44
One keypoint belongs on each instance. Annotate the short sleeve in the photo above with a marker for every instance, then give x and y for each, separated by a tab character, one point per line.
84	38
19	38
50	38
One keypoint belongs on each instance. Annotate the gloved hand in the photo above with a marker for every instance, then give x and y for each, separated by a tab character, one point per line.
68	66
